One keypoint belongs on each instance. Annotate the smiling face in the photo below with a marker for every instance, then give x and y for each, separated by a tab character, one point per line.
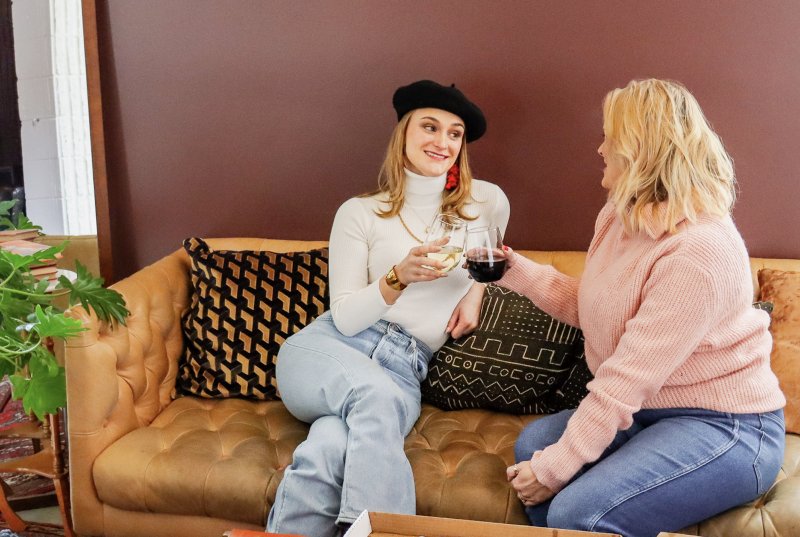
433	141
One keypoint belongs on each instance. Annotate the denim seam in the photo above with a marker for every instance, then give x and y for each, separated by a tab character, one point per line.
343	501
761	436
354	390
684	471
770	417
281	500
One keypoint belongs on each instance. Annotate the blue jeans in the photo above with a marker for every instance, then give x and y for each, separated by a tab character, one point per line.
672	468
361	395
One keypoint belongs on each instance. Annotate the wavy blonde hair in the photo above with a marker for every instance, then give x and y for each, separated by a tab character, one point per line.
670	157
391	178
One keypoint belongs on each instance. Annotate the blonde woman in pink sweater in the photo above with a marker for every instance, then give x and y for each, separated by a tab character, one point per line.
684	418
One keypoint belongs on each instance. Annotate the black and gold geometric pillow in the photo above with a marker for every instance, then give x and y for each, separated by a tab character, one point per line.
244	305
518	360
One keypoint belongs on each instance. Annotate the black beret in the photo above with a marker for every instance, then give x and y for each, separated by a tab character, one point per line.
429	94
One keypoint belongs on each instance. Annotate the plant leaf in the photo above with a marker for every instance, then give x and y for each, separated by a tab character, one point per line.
42	364
45	395
6	207
88	290
19	386
7	366
23	222
52	323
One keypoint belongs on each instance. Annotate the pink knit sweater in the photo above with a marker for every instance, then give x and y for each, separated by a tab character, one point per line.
668	323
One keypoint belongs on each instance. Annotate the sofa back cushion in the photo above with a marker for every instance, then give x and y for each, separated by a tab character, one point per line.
244	305
782	288
519	360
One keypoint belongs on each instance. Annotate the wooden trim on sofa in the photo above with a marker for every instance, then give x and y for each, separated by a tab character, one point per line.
98	139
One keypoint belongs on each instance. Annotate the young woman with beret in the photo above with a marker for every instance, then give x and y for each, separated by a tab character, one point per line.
354	373
683	419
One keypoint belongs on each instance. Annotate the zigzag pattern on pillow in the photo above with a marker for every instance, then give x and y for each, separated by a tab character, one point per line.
518	360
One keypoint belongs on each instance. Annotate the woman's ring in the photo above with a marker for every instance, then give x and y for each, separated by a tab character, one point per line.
516	470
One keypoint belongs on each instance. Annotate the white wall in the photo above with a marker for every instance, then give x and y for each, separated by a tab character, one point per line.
51	82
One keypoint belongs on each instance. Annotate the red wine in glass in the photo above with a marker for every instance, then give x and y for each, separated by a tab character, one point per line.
486	269
486	259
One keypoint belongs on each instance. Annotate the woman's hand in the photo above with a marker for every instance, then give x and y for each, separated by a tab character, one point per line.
523	480
511	257
467	312
417	267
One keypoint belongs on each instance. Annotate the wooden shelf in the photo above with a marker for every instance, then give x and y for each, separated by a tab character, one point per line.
26	429
47	461
40	463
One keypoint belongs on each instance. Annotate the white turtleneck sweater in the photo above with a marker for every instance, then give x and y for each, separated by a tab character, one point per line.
364	246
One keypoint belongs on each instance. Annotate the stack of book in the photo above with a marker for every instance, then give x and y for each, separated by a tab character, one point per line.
45	269
18	235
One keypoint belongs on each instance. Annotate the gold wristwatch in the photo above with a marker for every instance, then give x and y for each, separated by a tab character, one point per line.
393	282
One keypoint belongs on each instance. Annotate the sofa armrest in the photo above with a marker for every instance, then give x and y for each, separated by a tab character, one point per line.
120	379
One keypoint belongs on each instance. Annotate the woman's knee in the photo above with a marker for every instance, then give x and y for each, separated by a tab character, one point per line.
540	433
326	444
573	510
331	431
380	402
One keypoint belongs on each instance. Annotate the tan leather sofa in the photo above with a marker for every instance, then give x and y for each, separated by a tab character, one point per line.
144	463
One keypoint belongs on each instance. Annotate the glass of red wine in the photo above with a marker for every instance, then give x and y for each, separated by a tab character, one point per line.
486	259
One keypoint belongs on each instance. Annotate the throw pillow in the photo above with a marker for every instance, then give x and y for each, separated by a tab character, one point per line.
244	305
782	288
518	360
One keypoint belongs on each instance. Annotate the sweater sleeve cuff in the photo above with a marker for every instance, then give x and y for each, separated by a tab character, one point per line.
520	276
541	470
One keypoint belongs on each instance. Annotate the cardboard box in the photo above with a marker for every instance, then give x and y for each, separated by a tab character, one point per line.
387	525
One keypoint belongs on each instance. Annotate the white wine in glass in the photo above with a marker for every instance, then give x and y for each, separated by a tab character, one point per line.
454	228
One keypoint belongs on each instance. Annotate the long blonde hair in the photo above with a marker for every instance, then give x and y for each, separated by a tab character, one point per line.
391	178
670	156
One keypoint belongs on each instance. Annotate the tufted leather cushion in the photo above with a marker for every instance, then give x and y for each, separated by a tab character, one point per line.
225	458
459	460
782	288
220	459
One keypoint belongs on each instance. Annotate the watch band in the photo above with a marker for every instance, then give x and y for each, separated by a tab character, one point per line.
393	281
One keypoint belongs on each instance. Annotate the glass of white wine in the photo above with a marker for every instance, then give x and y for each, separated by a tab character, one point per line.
455	229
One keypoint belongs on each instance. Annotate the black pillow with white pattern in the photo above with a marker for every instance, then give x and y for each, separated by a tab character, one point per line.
518	360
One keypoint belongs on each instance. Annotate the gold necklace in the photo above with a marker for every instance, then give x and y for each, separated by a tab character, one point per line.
427	225
409	229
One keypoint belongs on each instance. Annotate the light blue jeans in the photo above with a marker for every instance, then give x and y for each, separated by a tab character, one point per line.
672	468
361	395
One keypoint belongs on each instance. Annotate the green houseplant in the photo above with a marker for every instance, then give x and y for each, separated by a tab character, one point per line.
30	319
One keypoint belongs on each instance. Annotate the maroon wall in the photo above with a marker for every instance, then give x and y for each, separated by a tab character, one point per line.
258	118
